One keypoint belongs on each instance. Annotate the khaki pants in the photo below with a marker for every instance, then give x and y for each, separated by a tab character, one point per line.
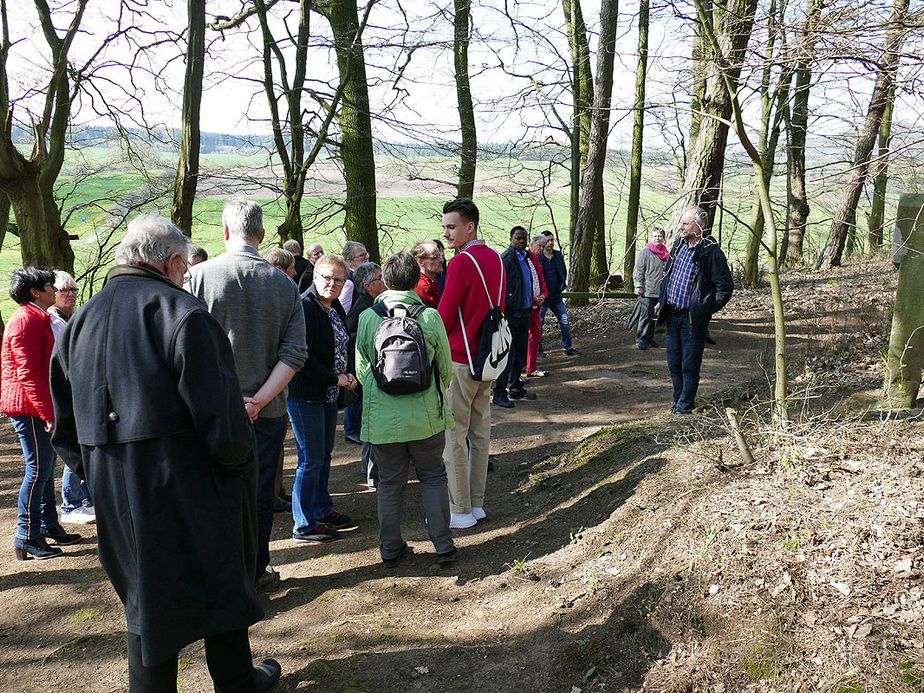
468	444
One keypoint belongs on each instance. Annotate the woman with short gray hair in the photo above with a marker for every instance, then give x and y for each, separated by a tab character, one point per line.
354	254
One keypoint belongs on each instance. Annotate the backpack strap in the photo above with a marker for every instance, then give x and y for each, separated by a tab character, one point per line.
380	309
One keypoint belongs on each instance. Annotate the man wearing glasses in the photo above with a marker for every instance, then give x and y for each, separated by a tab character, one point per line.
261	312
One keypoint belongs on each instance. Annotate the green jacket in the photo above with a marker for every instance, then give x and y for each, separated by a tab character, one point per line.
402	418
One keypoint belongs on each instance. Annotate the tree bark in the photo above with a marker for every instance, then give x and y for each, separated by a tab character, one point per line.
885	78
187	171
880	183
798	209
635	161
731	23
355	123
592	174
469	151
29	183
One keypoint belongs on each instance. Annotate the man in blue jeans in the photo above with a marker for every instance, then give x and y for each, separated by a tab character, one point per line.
260	310
556	279
697	284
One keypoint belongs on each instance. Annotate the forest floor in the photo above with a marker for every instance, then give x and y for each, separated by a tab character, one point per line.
625	549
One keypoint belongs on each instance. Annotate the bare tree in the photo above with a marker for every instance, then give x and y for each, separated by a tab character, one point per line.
635	165
469	151
187	170
881	181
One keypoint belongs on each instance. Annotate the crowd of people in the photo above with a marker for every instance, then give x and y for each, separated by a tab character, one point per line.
226	353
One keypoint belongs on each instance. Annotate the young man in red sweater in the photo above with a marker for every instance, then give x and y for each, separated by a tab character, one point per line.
465	302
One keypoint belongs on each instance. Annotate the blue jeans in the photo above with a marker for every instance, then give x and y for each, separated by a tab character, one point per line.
352	419
556	304
684	343
314	425
269	434
37	508
74	491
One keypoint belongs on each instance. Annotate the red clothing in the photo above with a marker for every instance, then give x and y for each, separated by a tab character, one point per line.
429	291
535	324
465	291
543	289
24	357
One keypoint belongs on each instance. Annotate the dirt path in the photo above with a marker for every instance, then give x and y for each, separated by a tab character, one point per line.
338	621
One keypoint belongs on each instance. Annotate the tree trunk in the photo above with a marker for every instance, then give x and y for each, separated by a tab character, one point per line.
885	78
635	162
355	128
906	343
877	211
797	211
187	170
466	187
592	174
701	62
732	24
43	241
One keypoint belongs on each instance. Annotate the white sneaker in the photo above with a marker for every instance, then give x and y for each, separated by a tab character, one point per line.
461	520
78	516
478	513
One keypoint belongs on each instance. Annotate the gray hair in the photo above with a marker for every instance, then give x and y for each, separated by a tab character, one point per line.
700	214
198	252
63	280
331	260
539	237
363	275
350	248
401	272
152	239
292	246
421	248
279	257
244	219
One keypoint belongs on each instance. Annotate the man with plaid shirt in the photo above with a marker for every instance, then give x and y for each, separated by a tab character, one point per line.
697	284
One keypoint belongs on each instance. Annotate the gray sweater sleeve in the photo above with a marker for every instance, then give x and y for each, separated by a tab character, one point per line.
293	349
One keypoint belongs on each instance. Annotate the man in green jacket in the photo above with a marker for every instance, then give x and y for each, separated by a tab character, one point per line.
410	428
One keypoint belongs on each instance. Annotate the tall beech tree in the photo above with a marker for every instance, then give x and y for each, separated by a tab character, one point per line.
187	170
881	181
635	161
469	149
29	182
888	61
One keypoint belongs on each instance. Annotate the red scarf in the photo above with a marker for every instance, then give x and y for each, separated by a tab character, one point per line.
660	250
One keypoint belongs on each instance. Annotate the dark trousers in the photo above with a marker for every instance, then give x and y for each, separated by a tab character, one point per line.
519	332
684	343
270	434
227	654
644	336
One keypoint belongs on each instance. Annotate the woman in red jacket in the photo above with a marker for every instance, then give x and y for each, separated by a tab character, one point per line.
26	398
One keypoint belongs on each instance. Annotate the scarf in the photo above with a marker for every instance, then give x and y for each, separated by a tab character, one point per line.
660	250
537	289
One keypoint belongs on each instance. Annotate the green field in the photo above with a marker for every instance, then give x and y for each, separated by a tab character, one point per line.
89	186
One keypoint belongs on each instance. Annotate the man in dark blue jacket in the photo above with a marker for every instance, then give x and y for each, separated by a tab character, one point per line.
698	283
556	279
517	306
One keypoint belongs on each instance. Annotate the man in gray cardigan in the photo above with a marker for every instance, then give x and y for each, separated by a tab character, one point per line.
260	310
647	275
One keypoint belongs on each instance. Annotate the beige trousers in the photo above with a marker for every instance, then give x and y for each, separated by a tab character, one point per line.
468	444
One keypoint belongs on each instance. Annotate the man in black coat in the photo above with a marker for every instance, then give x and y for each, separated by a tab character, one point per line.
151	415
518	305
698	283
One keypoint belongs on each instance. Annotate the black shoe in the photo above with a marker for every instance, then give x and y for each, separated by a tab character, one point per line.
287	497
573	352
269	577
266	674
282	506
318	535
337	521
653	345
502	401
521	393
60	537
353	439
34	548
448	557
641	347
396	559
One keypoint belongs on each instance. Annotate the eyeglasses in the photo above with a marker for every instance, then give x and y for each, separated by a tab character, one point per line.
69	290
437	256
361	255
329	279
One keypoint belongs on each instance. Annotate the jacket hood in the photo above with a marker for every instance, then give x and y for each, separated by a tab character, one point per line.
391	296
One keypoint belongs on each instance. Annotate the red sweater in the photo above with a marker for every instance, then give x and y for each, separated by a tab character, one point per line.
465	291
24	357
429	291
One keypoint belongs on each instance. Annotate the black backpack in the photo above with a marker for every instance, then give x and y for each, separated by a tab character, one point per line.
401	365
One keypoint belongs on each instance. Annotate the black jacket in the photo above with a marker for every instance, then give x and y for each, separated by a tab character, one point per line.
514	298
312	381
150	413
712	281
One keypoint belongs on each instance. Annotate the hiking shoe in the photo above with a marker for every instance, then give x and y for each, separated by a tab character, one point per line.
265	675
447	557
81	515
573	352
60	537
502	400
521	393
396	559
337	521
461	520
319	535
